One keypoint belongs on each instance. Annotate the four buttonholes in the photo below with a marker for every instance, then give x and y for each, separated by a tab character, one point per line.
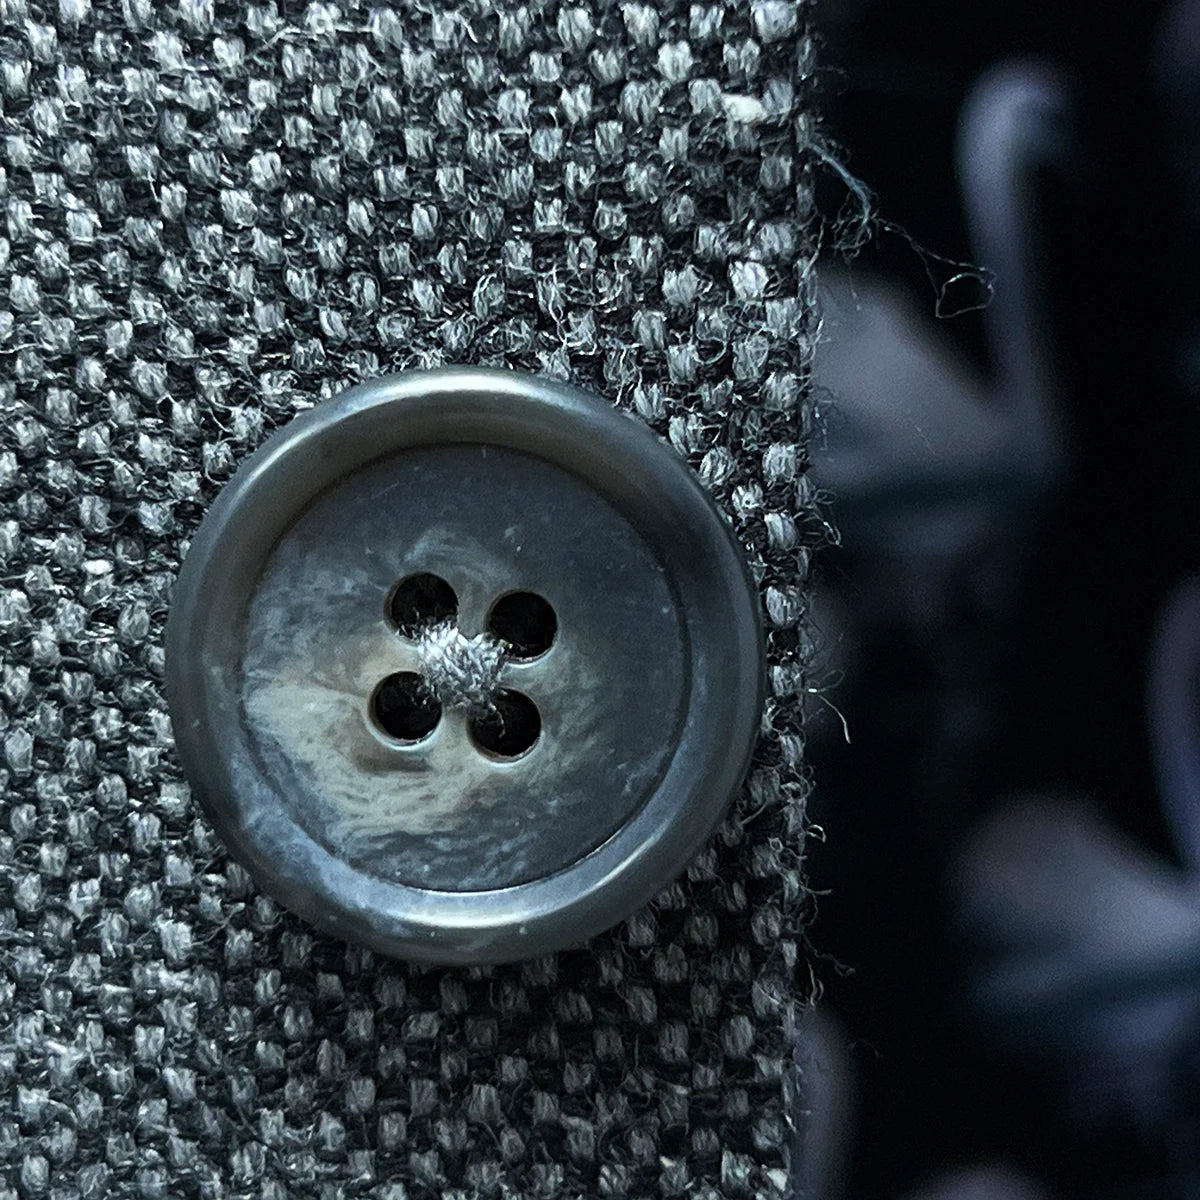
404	705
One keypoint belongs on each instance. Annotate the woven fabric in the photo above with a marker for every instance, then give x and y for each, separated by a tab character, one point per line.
216	215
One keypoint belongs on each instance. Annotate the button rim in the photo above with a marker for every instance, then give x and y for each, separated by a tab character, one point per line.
718	600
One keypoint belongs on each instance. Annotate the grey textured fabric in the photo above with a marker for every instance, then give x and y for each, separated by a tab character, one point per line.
216	215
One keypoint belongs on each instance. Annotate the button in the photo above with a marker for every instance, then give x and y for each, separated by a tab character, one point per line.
464	665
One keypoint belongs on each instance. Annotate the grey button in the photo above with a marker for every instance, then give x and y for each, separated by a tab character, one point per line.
464	665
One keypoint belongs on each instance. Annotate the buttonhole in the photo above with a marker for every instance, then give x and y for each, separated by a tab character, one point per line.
418	602
404	708
525	622
509	727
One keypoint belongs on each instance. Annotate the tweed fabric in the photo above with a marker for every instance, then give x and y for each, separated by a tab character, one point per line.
216	215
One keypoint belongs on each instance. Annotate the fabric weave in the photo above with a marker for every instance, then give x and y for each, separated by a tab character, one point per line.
216	215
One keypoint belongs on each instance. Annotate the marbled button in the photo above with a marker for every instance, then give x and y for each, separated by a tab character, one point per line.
464	665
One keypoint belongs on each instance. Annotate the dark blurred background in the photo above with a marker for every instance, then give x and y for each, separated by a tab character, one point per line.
1008	919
